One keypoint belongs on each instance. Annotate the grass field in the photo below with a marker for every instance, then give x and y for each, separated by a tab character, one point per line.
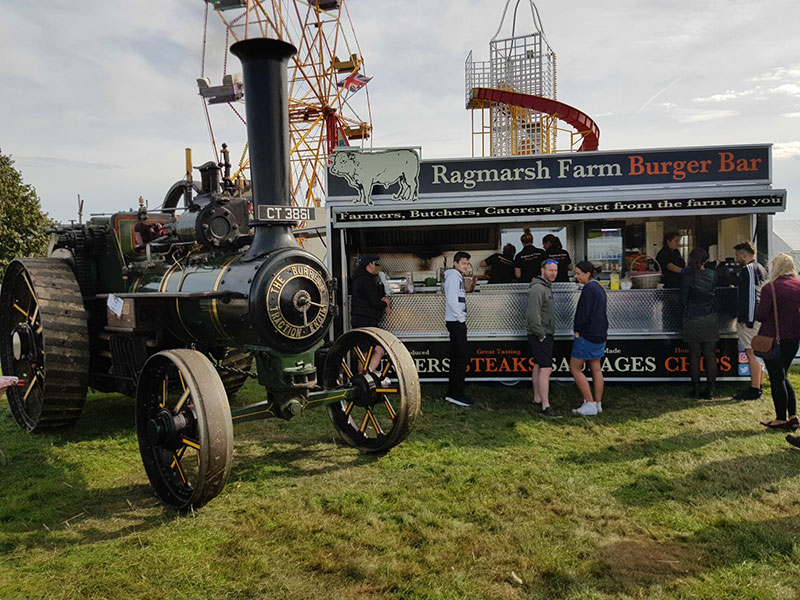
659	497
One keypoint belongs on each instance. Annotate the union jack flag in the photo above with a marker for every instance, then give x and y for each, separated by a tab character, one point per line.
354	82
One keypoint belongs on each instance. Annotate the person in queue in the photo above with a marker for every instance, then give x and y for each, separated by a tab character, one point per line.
540	324
553	249
501	265
591	332
369	301
784	286
528	262
455	317
700	321
671	261
751	278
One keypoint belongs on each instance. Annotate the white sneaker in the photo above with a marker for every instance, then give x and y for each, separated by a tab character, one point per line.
599	407
461	401
575	410
386	382
587	409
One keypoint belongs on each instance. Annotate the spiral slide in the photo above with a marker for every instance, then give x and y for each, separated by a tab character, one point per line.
572	116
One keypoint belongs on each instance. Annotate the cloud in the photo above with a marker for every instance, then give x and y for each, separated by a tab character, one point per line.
729	95
789	78
780	73
791	115
784	150
792	89
697	115
52	161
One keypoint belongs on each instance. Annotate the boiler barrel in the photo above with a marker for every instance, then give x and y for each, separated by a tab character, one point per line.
280	301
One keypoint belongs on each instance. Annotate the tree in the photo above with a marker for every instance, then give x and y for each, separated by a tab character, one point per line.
22	222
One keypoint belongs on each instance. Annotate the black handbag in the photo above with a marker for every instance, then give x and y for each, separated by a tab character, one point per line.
765	346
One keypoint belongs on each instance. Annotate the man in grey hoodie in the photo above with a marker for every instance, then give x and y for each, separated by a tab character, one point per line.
540	323
455	318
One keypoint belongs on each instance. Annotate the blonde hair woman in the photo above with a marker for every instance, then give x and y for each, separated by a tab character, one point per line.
784	286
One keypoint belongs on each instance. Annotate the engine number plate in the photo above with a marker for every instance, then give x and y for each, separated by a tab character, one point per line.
285	214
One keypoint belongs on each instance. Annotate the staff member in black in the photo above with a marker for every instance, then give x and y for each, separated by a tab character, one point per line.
501	265
528	262
369	301
671	261
672	267
555	251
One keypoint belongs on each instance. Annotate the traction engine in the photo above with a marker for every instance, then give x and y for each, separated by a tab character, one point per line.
172	307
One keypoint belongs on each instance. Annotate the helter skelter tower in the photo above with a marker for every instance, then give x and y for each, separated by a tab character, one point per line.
512	97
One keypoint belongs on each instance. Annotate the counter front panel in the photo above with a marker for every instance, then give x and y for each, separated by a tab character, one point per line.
499	311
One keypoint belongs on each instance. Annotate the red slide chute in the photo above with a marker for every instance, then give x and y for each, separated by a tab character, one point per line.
572	116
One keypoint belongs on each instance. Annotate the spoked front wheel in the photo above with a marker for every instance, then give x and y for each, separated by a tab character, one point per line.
184	427
383	411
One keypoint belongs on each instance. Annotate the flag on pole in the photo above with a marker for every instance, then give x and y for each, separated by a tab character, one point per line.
354	82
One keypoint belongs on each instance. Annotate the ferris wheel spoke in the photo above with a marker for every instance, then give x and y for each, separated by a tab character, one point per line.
322	37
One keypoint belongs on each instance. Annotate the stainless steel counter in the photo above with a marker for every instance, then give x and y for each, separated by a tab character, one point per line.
498	311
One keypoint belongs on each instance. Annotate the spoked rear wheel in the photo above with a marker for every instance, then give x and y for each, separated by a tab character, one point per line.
387	404
44	341
184	427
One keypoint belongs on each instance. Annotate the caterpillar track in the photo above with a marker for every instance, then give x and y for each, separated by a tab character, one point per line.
47	344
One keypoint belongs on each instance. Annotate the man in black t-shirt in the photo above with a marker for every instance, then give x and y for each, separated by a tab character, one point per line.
501	265
528	262
554	251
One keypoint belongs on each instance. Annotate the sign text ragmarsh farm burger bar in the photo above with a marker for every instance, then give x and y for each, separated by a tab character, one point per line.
681	166
569	168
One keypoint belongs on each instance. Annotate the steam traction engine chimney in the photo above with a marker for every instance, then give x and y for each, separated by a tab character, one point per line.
266	100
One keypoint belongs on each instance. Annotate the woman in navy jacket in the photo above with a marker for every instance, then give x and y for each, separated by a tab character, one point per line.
591	332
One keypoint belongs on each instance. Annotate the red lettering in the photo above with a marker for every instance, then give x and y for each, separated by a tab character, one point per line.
726	163
637	165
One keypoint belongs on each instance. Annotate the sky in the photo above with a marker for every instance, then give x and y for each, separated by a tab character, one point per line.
99	98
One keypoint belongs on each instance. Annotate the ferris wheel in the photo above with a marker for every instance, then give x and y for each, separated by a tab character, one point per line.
328	96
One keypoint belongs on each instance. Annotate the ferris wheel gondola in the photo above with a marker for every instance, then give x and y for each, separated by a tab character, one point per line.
328	98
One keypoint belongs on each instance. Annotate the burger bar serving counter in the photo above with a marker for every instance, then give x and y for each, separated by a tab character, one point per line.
612	208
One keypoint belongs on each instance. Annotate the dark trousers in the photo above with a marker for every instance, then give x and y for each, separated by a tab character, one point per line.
778	370
458	358
708	351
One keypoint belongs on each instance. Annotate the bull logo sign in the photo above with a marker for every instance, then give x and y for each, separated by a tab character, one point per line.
364	170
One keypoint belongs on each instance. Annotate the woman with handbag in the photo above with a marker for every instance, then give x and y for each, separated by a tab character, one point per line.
700	321
779	337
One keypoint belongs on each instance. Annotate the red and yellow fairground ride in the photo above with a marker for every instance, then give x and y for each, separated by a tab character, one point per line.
328	97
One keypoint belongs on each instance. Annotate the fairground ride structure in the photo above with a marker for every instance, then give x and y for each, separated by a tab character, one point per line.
327	107
512	97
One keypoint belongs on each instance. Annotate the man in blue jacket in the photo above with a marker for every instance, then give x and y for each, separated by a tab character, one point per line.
455	318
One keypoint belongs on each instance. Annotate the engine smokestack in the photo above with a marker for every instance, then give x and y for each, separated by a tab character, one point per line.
266	101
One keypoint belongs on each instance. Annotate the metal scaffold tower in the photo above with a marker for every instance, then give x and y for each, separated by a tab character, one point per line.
512	96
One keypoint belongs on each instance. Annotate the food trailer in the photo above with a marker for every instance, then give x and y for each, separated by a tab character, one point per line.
612	208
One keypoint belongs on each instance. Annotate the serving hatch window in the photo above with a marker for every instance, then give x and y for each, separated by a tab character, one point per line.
511	236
